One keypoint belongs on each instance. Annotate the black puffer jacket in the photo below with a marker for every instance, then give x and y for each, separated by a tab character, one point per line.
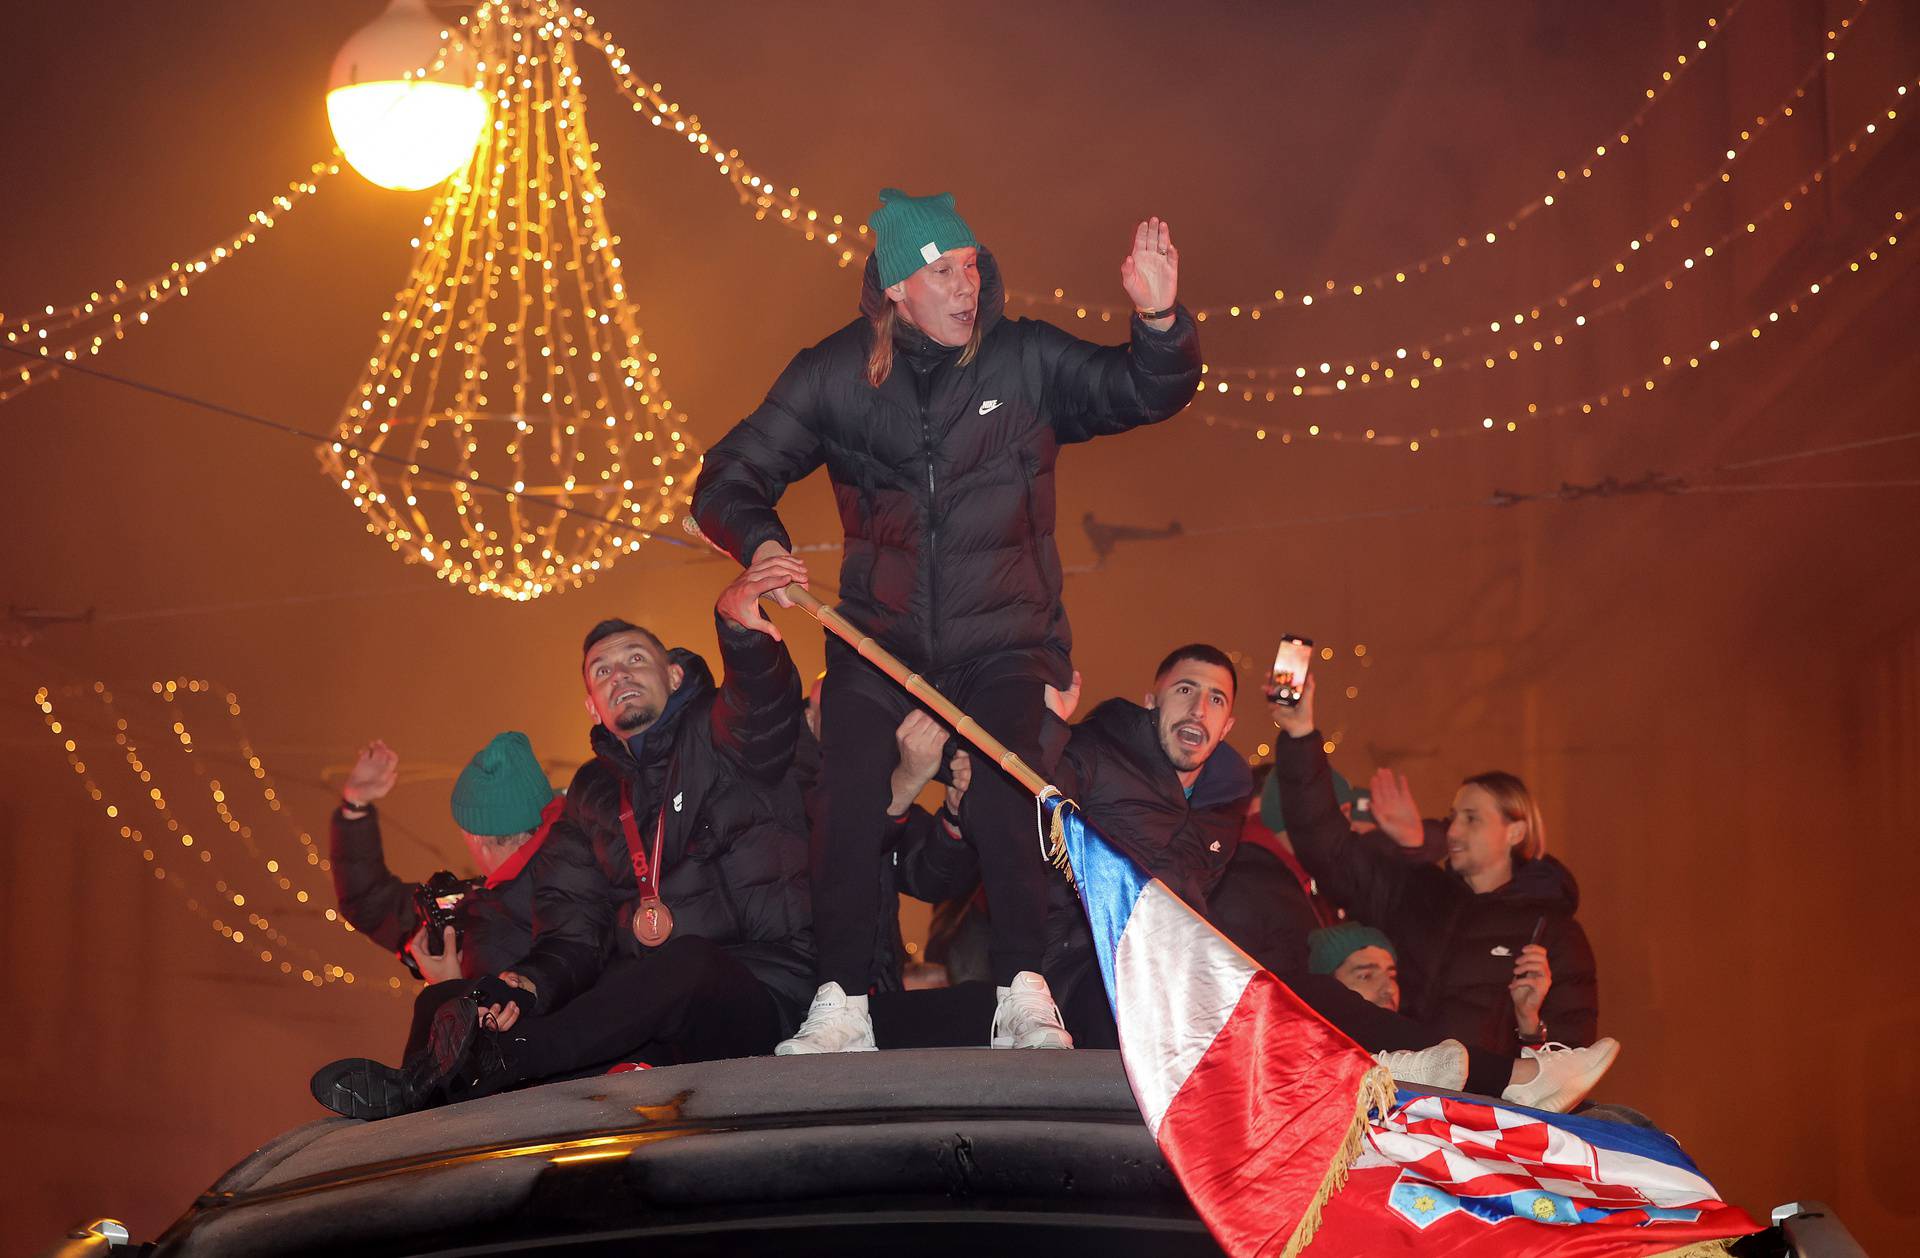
1262	907
735	854
1456	948
1116	770
495	923
944	475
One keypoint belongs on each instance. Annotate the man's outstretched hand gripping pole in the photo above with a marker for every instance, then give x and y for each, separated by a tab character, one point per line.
915	685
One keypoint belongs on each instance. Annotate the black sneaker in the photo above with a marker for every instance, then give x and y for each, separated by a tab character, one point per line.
358	1087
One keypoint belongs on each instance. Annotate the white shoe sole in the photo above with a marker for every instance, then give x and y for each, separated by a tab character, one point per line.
788	1048
1575	1089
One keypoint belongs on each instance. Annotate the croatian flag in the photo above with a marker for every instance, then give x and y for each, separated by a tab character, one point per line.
1264	1111
1460	1175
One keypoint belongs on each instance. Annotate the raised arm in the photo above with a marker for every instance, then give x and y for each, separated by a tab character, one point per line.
743	476
1364	873
1095	390
757	718
374	901
1422	840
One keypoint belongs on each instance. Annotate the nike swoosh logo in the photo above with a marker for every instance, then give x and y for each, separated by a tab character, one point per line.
990	405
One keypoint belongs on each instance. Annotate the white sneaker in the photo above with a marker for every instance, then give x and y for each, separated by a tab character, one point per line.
1026	1016
1566	1075
835	1023
1442	1066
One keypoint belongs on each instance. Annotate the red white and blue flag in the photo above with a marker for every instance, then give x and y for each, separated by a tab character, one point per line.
1264	1111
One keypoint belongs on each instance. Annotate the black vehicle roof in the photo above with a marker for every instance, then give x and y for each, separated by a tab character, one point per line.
967	1148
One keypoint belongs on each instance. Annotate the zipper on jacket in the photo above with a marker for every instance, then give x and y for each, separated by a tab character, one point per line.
933	528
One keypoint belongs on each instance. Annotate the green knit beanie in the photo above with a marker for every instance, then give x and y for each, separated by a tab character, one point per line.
1273	819
1330	945
502	790
909	232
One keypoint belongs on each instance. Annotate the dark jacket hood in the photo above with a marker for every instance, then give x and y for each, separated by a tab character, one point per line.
1543	879
696	679
1223	779
993	295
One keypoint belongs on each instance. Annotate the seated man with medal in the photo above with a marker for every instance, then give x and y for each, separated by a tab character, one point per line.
671	920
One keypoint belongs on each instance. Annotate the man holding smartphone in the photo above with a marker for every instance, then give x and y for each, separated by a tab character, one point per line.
1463	930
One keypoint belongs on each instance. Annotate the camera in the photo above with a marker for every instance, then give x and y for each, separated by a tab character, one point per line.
438	901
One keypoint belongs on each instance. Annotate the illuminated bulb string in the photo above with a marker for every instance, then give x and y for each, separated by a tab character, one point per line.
1742	143
768	199
514	355
62	334
259	936
1407	368
1645	381
784	204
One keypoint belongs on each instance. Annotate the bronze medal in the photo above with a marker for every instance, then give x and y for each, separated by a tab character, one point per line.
652	921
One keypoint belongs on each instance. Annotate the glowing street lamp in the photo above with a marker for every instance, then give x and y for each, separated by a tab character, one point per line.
402	120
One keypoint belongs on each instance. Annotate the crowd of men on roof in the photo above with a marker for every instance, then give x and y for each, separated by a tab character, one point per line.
722	876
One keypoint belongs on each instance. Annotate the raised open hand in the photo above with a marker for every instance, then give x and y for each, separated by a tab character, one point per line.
1394	809
373	774
1151	270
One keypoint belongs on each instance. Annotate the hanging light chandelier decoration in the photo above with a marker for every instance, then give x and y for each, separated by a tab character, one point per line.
510	430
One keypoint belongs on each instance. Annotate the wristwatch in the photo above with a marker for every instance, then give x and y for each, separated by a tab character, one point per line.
1535	1040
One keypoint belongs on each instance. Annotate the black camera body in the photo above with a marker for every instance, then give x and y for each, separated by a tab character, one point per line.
439	901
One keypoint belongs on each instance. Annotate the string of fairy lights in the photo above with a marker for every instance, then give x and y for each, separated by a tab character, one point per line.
772	201
219	870
512	432
1672	363
62	334
515	348
769	200
1423	362
1255	308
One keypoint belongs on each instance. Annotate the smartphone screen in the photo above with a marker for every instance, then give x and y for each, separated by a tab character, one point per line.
1290	663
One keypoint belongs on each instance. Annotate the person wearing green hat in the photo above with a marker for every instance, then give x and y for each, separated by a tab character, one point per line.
1361	958
504	805
501	802
940	420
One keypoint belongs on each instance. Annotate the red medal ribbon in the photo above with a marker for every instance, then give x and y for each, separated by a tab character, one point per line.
644	870
652	919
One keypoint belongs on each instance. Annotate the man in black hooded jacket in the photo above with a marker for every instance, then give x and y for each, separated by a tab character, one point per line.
1465	942
940	421
671	919
1164	786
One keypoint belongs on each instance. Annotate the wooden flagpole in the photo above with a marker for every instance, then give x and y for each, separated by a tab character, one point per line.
915	685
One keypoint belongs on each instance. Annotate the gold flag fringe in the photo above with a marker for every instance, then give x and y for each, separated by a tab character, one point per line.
1376	1093
1053	843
